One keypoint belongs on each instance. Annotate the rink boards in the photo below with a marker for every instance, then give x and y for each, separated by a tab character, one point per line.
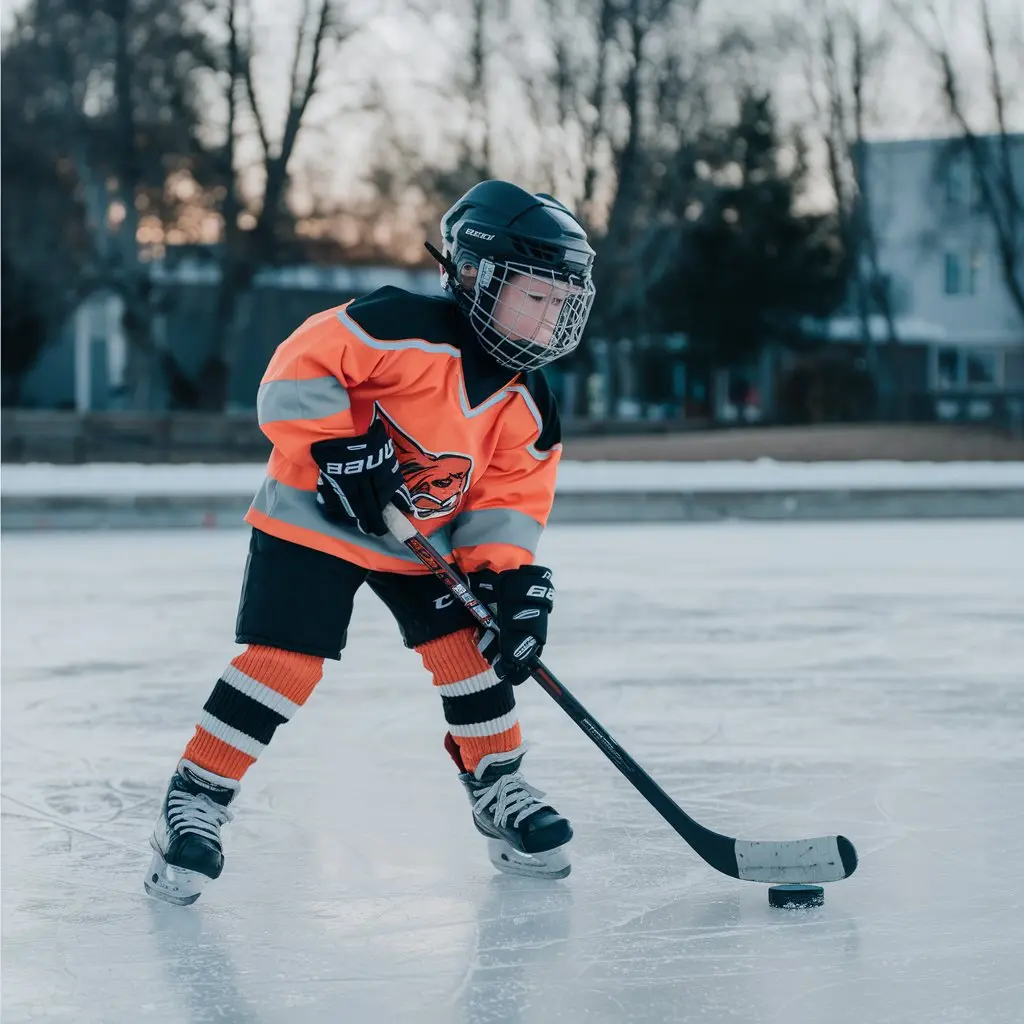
101	496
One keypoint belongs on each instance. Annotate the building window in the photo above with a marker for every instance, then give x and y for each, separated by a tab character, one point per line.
947	369
957	369
958	185
962	272
983	368
954	277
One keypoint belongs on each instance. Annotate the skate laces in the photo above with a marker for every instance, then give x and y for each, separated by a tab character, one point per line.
512	795
196	813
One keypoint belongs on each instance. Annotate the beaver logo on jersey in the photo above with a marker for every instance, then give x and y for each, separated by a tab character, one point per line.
436	482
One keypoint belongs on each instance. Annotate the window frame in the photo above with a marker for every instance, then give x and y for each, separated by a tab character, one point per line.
963	354
969	266
952	262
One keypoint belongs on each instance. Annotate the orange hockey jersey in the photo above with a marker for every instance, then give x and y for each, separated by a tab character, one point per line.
478	444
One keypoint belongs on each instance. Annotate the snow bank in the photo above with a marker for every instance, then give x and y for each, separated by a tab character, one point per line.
108	479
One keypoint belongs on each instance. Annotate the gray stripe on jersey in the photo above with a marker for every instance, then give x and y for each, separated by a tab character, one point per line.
299	508
312	399
496	526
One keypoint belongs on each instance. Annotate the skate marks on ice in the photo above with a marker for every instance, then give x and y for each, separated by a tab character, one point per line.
643	931
521	951
777	681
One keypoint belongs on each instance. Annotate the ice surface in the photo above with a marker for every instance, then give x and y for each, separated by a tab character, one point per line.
39	479
779	680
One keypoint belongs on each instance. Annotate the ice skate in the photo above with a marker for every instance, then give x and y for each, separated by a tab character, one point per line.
525	835
186	841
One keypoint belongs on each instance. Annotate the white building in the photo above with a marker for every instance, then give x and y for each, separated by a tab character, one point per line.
85	366
938	249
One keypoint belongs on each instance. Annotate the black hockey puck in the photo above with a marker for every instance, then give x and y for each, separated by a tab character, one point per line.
788	897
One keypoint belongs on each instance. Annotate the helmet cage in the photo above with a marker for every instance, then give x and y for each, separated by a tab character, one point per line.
525	316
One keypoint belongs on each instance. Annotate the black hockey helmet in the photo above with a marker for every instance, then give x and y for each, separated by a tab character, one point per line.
519	266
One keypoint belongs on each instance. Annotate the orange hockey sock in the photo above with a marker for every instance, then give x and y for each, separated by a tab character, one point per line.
261	688
480	709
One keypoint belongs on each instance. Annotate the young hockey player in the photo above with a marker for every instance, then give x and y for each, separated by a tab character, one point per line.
436	404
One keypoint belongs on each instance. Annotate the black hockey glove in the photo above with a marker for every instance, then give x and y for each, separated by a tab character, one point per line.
359	477
521	600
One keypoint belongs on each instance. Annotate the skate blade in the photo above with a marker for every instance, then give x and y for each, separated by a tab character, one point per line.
171	884
549	864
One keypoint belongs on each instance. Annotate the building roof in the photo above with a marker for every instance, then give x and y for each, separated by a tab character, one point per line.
936	141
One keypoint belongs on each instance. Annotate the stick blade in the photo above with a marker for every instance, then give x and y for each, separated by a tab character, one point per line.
825	859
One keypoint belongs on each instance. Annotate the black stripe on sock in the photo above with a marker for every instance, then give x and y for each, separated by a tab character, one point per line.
242	712
481	706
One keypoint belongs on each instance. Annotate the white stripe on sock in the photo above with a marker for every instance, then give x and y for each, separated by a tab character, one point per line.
474	684
233	737
481	729
259	691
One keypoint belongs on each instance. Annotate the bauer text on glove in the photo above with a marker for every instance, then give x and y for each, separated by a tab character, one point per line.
359	477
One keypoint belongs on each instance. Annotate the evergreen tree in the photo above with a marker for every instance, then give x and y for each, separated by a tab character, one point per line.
741	264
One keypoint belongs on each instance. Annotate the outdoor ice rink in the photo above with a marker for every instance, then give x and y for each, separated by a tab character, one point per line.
778	680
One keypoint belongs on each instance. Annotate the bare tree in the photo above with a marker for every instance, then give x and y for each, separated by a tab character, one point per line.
599	96
590	99
659	58
586	93
112	102
841	62
479	155
489	96
256	233
1001	192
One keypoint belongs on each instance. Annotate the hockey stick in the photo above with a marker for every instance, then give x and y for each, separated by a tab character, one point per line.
823	859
